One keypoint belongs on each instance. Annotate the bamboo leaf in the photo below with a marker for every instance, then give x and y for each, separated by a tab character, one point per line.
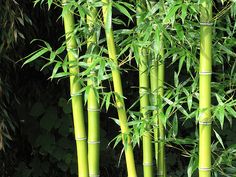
231	111
183	12
192	166
55	69
219	139
49	3
175	126
123	10
36	55
171	13
108	98
190	102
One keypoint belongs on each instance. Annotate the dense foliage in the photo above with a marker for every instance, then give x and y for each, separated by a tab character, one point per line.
36	124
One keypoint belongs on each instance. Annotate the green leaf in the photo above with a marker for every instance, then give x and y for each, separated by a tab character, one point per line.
171	13
231	111
175	126
123	10
220	115
219	139
183	12
192	166
49	3
52	56
108	99
190	102
55	69
179	31
36	55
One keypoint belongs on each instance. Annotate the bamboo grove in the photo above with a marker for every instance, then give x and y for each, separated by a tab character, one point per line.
170	46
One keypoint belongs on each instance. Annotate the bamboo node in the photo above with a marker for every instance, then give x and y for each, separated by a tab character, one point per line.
120	107
143	92
94	175
205	123
160	174
75	94
205	73
93	109
206	23
147	164
204	169
93	142
80	139
64	3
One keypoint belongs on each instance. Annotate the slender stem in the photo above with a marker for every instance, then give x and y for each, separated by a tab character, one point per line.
154	89
93	106
107	16
77	103
205	71
144	100
160	83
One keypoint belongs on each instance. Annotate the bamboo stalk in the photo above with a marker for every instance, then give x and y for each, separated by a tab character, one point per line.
144	100
205	71
160	92
154	89
93	106
107	16
77	102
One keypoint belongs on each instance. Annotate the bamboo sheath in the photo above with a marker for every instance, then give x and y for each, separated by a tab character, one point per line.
144	100
205	71
129	156
77	103
93	106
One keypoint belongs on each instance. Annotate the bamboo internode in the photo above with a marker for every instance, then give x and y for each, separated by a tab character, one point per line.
205	71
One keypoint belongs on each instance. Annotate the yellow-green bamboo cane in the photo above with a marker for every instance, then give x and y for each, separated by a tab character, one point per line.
144	100
93	106
154	89
205	71
77	103
160	94
129	156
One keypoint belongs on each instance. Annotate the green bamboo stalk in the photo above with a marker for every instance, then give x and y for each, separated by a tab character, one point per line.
154	89
107	16
144	100
205	71
160	83
93	106
77	102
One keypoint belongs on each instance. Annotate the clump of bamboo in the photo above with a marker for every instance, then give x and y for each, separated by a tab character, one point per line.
107	16
93	106
144	99
77	103
205	71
